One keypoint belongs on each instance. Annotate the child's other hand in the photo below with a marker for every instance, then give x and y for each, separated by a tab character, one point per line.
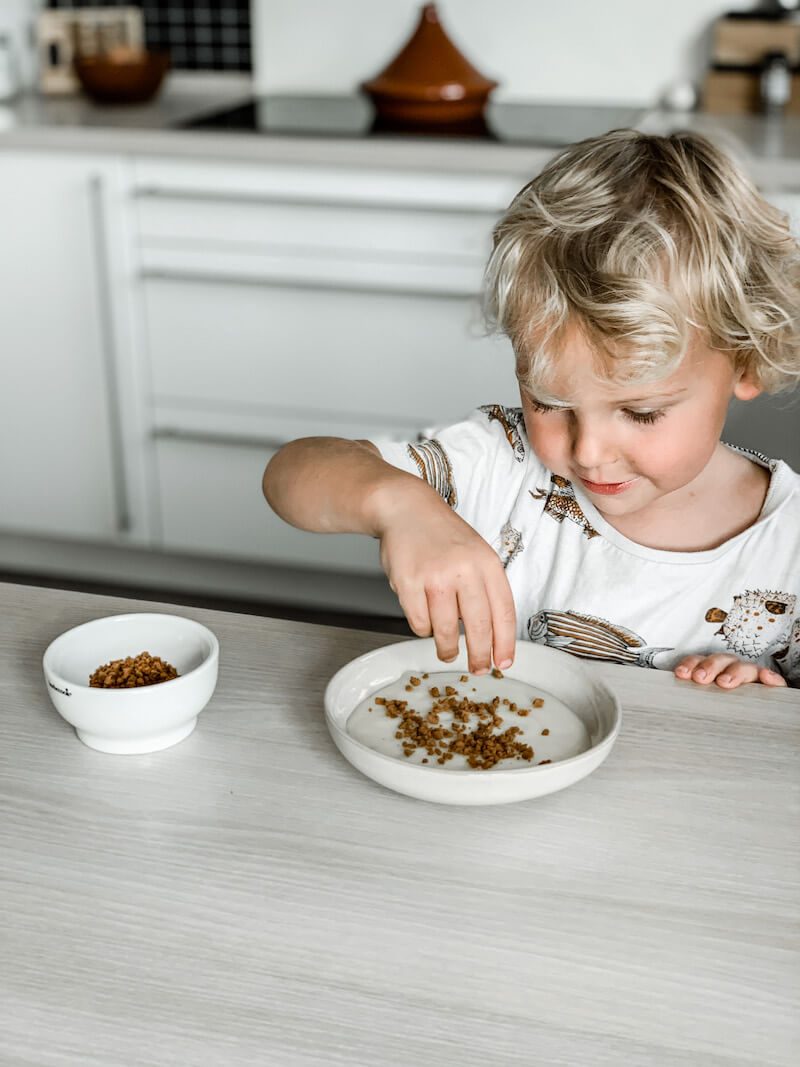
727	671
443	571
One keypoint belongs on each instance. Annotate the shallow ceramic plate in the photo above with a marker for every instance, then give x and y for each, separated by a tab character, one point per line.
572	695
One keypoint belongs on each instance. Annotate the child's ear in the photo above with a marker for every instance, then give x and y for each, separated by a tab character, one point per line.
746	387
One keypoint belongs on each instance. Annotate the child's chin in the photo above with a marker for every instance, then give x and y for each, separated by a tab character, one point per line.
613	505
624	503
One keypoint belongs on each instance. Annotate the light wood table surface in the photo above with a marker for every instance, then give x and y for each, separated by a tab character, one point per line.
247	897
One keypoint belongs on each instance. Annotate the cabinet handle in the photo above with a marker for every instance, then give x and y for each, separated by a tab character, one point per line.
186	274
98	214
214	196
214	437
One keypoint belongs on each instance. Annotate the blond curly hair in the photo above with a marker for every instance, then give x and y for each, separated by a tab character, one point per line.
642	240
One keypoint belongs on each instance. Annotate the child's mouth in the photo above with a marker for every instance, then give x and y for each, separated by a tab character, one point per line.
608	488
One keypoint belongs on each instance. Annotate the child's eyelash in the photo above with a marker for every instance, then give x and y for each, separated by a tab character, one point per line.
540	409
644	418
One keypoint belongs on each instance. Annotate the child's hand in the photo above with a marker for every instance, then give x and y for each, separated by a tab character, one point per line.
442	570
727	671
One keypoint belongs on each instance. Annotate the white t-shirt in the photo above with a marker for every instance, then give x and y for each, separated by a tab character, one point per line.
581	586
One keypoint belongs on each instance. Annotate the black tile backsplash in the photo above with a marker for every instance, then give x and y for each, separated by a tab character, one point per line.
199	34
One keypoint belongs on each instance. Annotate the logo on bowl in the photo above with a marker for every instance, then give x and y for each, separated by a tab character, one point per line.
65	692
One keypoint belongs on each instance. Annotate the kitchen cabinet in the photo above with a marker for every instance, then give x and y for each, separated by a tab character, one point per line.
173	323
280	302
60	435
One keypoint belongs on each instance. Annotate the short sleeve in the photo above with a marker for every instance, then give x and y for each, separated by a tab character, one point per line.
477	466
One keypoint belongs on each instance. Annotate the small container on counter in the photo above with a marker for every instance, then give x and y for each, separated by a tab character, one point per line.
775	83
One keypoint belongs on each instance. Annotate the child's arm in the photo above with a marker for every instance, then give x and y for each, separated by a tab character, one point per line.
726	670
439	567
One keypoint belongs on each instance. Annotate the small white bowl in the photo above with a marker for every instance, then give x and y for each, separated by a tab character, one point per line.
552	672
131	721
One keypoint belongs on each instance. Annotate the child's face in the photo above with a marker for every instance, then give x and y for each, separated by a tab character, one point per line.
628	446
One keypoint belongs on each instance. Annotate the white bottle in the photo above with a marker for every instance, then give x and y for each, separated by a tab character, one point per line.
9	82
776	83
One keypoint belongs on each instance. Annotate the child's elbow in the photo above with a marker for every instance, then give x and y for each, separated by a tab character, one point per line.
265	482
270	479
284	470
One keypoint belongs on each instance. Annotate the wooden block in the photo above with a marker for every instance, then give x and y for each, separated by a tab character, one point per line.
738	92
747	41
731	92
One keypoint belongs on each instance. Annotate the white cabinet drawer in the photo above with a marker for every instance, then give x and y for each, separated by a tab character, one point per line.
346	230
211	503
328	184
312	267
399	357
338	210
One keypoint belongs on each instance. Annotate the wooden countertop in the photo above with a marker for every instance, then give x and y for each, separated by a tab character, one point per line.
248	898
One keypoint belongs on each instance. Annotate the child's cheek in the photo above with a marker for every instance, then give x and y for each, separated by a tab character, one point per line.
548	440
676	454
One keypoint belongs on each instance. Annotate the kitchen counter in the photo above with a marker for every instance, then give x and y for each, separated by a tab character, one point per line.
247	897
770	148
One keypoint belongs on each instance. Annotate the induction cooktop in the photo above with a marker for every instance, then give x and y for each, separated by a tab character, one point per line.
353	116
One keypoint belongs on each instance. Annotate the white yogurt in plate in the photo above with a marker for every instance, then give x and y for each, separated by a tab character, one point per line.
566	734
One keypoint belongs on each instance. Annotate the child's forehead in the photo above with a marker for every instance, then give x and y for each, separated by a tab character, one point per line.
567	390
565	378
572	366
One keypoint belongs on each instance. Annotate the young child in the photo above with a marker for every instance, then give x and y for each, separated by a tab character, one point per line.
643	283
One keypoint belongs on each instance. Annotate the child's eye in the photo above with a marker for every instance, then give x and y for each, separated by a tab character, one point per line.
644	417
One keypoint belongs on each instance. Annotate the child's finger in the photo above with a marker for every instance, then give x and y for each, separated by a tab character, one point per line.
768	677
443	611
704	669
686	666
415	608
473	606
504	621
740	672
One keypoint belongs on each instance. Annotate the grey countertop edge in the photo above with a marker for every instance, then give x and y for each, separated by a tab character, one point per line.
769	149
244	148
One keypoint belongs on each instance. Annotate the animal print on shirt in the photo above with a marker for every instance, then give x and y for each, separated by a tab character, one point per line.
434	466
758	621
788	658
561	503
591	638
510	544
509	419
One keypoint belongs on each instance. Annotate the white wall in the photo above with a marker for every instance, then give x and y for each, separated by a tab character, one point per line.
17	19
601	51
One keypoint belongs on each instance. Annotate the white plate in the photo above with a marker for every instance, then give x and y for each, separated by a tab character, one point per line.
556	674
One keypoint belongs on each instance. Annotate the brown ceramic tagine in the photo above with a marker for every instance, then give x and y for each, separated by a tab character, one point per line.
429	85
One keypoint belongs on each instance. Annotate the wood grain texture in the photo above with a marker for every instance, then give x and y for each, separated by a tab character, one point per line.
248	898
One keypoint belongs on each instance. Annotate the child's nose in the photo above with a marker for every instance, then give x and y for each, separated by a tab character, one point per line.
593	446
